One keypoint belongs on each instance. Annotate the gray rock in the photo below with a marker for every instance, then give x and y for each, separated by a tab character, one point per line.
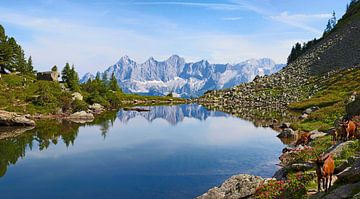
356	196
238	186
304	116
285	125
77	96
316	134
81	117
336	150
353	107
351	174
96	107
287	133
14	119
345	191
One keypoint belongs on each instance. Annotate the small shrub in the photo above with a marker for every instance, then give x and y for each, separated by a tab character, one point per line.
65	101
79	105
293	187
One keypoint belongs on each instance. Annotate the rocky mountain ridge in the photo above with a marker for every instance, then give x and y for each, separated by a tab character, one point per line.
183	79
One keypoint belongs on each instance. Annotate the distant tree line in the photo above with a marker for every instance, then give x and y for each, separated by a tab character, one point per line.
12	56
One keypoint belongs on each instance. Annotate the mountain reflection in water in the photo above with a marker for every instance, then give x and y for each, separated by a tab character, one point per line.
169	152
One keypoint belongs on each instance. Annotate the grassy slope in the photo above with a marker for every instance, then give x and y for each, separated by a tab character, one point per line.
331	99
17	91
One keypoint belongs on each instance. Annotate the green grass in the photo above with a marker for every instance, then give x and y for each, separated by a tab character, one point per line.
331	99
18	93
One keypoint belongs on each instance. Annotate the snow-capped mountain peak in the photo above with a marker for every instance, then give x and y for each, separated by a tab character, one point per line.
184	79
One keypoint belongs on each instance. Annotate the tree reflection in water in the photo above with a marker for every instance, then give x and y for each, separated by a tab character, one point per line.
14	141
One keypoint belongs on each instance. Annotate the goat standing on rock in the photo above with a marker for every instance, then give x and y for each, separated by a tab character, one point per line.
325	169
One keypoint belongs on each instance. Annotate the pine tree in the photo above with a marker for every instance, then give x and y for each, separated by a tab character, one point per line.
30	67
54	68
5	51
65	73
73	81
105	78
114	84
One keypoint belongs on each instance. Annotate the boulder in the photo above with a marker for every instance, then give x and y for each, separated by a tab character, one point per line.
351	174
287	133
14	119
344	191
81	117
77	96
97	108
238	186
353	107
337	149
285	125
316	134
310	110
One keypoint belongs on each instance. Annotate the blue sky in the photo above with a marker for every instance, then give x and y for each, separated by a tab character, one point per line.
93	34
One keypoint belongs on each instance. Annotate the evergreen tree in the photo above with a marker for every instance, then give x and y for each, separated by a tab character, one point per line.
65	73
54	68
5	51
73	79
30	67
114	84
105	78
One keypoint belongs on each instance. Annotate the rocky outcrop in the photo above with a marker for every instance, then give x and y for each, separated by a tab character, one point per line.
96	108
337	149
344	191
81	117
353	106
14	119
352	173
238	186
288	133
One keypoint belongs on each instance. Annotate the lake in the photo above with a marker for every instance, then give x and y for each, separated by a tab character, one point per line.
169	152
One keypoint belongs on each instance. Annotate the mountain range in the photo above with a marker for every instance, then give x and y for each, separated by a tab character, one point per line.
183	79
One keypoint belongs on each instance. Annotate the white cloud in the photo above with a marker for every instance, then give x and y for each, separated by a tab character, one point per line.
231	18
301	20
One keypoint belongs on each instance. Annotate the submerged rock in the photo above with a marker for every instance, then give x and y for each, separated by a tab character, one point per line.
238	186
14	119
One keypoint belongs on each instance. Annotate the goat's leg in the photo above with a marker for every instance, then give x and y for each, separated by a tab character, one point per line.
326	183
319	186
330	181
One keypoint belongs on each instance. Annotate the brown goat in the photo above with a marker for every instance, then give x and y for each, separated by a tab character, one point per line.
349	129
325	169
304	139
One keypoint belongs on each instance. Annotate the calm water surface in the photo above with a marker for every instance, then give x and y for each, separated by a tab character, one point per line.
169	152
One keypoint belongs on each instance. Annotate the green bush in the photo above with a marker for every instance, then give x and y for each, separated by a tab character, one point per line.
294	187
79	105
65	101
